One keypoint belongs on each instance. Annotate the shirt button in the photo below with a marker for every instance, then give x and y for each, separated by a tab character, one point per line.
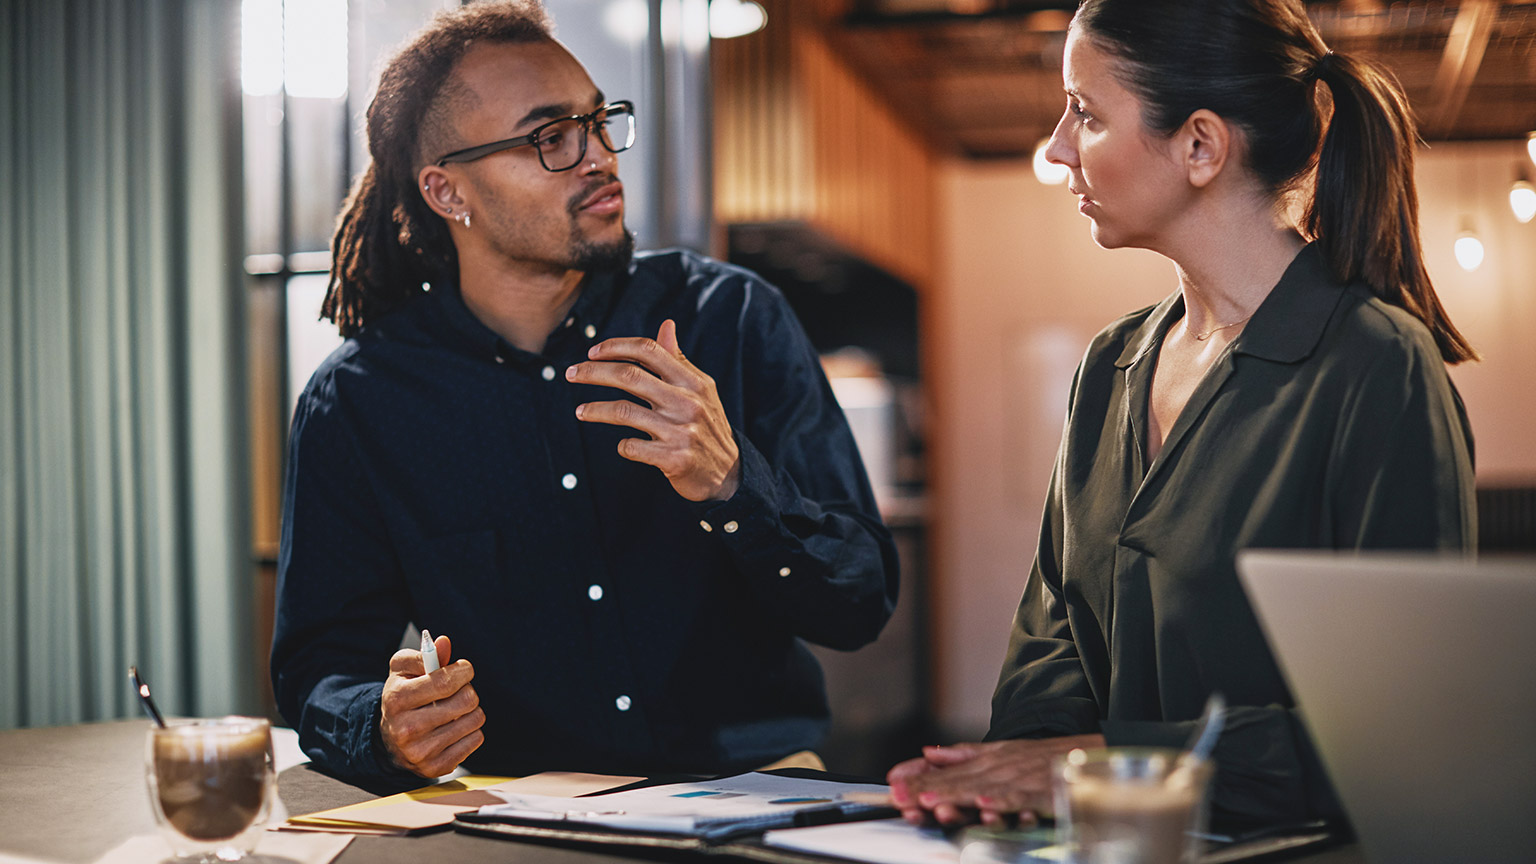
783	571
705	525
622	703
500	359
591	332
595	592
730	527
568	481
548	373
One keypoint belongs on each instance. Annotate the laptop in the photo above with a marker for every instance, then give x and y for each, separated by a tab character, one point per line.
1416	676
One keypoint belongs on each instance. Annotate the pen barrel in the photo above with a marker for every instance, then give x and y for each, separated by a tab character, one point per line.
429	652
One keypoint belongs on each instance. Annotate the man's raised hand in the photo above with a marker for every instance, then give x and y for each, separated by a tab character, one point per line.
690	437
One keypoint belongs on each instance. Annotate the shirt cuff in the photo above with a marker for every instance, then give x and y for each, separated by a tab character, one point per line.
749	519
370	754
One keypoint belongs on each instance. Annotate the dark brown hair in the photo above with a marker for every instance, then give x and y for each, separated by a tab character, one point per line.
388	242
1256	63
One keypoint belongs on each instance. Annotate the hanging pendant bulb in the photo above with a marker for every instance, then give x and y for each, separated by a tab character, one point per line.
1047	172
729	19
1530	146
1522	200
1522	195
1469	248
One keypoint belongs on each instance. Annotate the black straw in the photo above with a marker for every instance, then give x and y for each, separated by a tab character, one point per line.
142	689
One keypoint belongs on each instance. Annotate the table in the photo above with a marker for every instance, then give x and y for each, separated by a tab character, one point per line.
70	793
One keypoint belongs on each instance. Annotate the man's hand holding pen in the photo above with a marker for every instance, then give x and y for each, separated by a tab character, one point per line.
430	722
690	437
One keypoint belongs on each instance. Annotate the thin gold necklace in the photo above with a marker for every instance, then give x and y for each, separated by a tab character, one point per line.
1201	337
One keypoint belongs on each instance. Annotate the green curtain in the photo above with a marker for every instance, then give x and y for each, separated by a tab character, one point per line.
124	509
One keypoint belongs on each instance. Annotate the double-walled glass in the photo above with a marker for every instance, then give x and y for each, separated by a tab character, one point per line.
1130	805
211	785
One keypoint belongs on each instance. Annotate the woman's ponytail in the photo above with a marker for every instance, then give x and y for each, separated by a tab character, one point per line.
1364	213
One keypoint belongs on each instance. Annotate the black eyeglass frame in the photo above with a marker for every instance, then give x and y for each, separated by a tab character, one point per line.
470	154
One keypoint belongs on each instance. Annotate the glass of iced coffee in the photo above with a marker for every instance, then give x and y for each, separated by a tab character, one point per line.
211	785
1131	805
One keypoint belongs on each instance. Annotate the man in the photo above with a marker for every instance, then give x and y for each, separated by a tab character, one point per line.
619	483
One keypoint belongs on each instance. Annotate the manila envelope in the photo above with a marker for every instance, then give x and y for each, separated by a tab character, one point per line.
435	806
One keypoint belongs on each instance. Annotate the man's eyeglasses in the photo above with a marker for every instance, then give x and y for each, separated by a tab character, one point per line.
562	143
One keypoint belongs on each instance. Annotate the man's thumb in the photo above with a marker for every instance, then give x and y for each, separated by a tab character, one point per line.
667	337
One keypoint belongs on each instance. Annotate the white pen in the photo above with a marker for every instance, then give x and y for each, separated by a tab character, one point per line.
428	651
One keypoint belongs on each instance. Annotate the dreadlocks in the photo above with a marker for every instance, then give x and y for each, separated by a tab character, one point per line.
388	242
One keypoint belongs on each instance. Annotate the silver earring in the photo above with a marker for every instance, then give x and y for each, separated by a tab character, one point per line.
450	211
464	217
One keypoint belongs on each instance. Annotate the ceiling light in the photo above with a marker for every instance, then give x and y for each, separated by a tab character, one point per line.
1048	172
1469	249
1522	200
1530	145
731	18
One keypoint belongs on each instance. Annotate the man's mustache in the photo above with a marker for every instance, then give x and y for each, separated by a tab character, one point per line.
599	181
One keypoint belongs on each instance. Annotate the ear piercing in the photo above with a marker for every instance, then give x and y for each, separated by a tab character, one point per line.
463	217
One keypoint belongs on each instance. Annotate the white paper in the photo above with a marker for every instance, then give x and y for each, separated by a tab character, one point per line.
286	752
300	848
889	841
685	808
893	841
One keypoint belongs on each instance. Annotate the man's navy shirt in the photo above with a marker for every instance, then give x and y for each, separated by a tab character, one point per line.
438	475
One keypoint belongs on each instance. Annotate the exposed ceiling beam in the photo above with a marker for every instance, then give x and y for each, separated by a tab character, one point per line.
1464	49
1467	65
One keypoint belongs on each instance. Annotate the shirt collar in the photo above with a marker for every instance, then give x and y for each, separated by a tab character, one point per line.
1286	327
592	308
1151	330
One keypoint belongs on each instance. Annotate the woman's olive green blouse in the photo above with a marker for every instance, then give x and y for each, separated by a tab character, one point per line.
1329	423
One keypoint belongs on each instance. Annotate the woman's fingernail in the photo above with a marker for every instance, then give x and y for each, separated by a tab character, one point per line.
929	799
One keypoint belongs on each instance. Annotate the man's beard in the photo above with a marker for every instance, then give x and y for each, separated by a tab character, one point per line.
588	256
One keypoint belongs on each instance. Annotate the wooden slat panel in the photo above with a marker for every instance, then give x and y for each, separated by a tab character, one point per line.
800	136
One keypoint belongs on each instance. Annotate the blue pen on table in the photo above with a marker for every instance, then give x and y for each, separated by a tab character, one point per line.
429	652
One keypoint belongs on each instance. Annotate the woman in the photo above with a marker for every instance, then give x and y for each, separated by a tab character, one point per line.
1292	393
